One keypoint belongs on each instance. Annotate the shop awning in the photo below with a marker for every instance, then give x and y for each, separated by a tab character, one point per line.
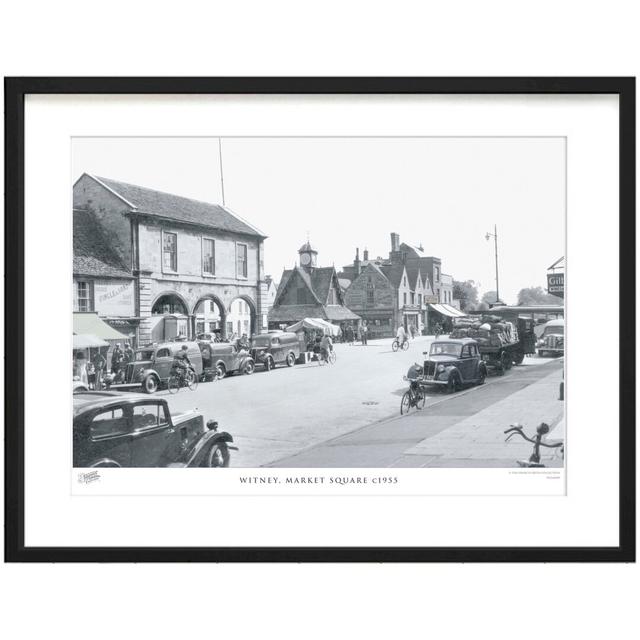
314	323
447	310
90	324
85	341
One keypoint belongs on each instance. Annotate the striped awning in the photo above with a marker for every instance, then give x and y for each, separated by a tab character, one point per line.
447	310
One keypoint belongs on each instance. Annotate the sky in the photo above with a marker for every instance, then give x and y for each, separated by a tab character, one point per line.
343	193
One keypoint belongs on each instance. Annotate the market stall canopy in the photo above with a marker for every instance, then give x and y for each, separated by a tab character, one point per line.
315	323
448	310
85	341
91	324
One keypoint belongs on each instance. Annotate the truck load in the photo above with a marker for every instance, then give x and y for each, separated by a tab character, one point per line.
498	340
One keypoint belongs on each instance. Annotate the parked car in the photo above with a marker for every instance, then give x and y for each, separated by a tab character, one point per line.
551	341
152	366
221	359
270	349
452	363
112	429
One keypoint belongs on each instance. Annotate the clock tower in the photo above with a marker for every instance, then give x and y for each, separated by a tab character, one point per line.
308	256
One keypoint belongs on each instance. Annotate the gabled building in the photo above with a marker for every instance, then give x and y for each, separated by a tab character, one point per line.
309	291
387	296
185	261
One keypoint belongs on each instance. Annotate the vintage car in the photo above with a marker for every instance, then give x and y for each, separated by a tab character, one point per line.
222	359
112	429
551	341
152	366
270	349
452	363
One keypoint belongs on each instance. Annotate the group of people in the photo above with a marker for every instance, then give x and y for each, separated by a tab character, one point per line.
91	372
351	334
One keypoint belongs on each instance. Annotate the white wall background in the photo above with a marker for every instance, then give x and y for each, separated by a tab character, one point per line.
332	38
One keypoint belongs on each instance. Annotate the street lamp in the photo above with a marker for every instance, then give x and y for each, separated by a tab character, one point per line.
494	235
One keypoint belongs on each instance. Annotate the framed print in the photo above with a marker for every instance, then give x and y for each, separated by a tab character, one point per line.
320	319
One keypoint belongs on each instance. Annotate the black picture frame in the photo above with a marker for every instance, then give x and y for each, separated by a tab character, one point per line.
15	91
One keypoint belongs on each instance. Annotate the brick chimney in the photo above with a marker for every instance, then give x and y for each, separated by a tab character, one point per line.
365	255
356	263
395	242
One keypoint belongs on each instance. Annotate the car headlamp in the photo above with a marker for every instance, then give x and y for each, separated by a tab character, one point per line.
440	368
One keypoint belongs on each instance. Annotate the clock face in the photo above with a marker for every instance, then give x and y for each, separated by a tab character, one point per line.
305	258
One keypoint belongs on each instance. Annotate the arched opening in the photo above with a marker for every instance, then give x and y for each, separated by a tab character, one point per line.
241	318
170	318
210	318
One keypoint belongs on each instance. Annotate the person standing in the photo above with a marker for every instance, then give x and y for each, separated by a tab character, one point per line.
129	355
365	332
100	364
116	359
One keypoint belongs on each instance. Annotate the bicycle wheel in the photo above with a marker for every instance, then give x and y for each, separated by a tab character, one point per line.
405	345
332	357
174	383
192	381
405	403
395	345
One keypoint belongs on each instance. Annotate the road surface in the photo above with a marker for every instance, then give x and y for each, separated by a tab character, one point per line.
276	416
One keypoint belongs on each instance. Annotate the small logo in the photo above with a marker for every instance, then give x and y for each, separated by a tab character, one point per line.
88	477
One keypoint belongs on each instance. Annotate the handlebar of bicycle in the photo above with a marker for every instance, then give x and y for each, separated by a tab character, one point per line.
519	431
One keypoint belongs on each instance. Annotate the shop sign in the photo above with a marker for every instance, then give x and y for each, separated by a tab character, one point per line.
114	298
555	284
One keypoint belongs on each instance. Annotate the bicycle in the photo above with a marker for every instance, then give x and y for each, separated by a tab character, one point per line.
177	380
534	458
327	358
414	396
395	345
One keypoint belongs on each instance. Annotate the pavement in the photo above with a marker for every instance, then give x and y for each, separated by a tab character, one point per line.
294	416
463	430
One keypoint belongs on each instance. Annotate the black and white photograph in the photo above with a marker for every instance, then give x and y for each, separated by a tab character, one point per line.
318	302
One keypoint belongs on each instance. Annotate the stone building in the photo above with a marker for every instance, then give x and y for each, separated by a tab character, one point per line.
309	291
103	288
187	260
401	289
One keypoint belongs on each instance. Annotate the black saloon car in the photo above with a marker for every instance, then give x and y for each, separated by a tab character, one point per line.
452	363
112	429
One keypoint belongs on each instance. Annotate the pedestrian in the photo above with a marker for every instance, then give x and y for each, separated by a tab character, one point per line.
412	331
129	355
80	369
116	358
99	364
365	331
349	334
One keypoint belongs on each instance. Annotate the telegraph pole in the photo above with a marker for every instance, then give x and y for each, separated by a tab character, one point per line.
494	235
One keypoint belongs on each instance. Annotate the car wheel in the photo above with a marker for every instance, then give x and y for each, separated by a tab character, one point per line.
482	375
221	372
405	403
269	364
249	367
217	456
150	384
291	359
453	383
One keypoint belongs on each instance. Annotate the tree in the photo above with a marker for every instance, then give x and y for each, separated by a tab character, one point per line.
489	298
467	293
536	295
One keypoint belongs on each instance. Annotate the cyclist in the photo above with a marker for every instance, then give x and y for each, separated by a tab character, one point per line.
181	362
326	345
401	336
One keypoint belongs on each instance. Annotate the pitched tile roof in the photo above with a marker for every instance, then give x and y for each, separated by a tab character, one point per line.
394	273
167	205
92	252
